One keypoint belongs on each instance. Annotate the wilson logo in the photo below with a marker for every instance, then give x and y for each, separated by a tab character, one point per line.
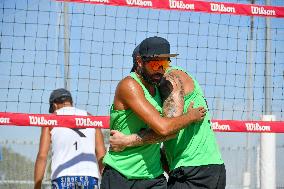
217	126
140	3
181	5
257	127
34	120
222	8
88	122
5	120
262	11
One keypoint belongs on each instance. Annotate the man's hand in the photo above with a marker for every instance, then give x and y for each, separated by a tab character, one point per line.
118	141
197	114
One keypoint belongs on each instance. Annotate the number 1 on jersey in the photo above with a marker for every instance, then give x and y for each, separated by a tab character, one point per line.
76	145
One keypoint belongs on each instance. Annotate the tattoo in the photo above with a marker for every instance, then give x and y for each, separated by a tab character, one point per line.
169	108
148	136
172	90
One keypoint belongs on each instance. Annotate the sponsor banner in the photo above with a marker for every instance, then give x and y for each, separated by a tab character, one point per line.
195	5
248	126
52	120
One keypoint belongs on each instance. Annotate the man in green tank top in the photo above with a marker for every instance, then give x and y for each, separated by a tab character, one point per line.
193	156
136	107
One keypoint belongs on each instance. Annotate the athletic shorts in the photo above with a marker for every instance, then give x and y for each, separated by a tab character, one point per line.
112	179
196	177
75	182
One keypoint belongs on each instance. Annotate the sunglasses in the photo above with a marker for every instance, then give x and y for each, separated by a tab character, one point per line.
156	64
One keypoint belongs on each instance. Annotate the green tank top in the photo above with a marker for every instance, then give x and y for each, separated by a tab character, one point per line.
142	162
196	144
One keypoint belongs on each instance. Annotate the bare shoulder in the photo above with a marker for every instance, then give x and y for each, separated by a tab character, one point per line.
177	76
127	90
174	76
128	84
180	78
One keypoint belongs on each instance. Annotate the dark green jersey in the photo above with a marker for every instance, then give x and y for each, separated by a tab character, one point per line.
141	162
196	144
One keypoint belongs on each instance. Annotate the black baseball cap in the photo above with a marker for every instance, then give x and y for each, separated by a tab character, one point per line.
57	94
155	47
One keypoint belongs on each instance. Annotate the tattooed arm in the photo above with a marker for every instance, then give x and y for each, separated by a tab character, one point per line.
172	93
118	141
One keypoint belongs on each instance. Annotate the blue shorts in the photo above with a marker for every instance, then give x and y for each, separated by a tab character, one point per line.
75	182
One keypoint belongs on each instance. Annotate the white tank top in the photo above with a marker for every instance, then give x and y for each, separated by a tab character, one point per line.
73	151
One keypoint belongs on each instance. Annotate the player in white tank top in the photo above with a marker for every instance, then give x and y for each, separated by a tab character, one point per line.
74	163
73	150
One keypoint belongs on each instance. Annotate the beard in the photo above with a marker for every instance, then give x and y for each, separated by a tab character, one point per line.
153	79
